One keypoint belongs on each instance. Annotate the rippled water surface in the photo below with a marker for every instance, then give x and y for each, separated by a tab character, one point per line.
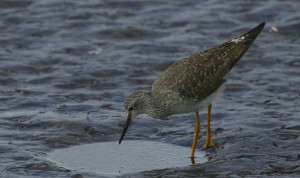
66	67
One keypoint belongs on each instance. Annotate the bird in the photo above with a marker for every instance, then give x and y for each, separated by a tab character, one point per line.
190	84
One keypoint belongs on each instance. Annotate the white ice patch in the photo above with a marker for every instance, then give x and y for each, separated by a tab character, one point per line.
111	159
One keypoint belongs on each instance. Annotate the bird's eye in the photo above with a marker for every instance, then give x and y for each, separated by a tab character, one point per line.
130	108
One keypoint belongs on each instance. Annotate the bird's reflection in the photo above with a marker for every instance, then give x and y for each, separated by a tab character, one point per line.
193	160
208	156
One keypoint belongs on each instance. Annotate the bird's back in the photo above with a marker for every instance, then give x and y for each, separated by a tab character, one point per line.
199	75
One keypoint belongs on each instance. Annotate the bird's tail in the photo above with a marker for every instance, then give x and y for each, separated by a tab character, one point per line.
237	47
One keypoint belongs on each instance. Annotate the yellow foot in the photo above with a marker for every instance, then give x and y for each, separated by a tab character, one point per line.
209	144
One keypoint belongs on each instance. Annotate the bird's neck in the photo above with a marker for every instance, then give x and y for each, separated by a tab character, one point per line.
147	101
147	106
150	106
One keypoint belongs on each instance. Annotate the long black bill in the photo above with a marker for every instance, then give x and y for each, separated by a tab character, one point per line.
127	124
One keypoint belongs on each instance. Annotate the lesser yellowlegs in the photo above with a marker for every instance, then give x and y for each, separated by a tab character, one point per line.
190	84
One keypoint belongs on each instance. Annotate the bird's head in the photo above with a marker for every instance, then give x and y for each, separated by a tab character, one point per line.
135	104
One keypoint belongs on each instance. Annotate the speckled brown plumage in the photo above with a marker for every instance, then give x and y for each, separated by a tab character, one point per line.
191	83
201	74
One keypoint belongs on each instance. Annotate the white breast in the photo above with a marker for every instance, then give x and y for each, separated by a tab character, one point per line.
193	106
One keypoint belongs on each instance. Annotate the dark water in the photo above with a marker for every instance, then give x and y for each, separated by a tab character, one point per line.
67	66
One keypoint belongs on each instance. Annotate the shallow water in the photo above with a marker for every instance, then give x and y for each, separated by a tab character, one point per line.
111	159
66	68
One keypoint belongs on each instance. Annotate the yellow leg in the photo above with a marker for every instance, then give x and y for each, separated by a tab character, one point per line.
196	134
208	142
